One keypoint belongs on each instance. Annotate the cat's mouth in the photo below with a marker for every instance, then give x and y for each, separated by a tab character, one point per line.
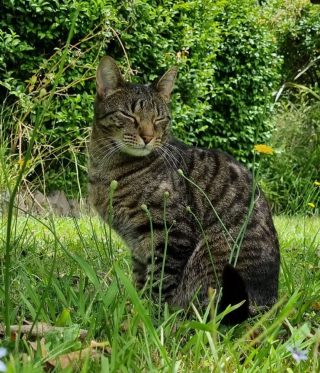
138	146
138	151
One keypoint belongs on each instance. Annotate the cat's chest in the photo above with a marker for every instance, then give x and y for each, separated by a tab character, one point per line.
156	192
149	191
132	221
136	187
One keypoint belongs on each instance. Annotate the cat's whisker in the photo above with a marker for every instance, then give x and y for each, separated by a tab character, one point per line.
107	158
114	149
168	158
179	151
163	156
174	160
98	146
176	149
111	153
100	151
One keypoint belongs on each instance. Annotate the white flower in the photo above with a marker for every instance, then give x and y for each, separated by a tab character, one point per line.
297	354
3	352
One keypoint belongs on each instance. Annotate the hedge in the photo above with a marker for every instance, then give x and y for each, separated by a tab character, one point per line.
226	59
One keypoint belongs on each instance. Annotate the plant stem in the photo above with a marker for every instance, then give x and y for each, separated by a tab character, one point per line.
113	187
38	122
206	242
145	209
166	196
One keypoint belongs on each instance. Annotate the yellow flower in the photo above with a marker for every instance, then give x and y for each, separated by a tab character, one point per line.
315	305
311	205
316	183
21	162
263	149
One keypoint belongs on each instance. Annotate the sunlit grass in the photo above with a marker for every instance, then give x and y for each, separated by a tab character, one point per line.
83	283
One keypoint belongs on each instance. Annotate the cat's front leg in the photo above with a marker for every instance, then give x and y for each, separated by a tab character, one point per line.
140	271
162	272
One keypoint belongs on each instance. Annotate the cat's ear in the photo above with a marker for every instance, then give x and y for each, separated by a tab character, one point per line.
109	78
165	84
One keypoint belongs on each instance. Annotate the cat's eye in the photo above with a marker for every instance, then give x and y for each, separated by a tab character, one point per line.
133	119
162	119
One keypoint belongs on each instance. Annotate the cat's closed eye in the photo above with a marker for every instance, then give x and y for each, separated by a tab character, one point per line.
162	120
128	116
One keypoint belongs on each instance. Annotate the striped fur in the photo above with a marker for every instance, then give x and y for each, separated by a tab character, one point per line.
131	143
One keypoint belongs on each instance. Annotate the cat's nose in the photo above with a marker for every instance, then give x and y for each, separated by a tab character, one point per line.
147	139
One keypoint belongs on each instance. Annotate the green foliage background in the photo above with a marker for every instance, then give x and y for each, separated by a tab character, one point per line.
296	27
228	52
291	178
225	60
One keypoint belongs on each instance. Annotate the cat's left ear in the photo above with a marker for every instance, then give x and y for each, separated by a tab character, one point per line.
165	84
109	78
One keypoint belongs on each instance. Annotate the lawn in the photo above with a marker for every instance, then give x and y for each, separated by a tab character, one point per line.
65	273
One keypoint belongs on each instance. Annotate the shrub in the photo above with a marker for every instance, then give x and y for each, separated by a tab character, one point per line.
226	58
291	177
33	36
296	24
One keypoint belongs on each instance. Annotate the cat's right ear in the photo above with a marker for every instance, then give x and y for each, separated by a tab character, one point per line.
165	84
109	78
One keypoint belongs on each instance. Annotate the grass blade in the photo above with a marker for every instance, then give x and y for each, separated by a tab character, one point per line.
142	313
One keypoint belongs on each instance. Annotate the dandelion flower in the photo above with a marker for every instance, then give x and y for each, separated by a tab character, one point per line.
297	354
20	162
3	353
316	183
311	205
263	149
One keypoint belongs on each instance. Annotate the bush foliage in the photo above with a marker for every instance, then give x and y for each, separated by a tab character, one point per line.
296	26
291	178
225	56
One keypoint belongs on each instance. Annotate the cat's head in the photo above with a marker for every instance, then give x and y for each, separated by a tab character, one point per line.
135	117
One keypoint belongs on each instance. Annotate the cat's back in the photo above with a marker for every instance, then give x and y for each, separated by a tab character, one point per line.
224	179
218	187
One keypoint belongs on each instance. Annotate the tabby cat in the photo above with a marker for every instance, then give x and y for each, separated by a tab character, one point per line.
131	143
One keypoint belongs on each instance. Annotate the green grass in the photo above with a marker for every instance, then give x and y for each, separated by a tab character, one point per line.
61	273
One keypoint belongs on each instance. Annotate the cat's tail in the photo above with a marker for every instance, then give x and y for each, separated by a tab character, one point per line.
234	291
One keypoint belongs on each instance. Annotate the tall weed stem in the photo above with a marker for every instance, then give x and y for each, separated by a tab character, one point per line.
206	242
38	121
113	186
48	284
166	232
145	209
240	237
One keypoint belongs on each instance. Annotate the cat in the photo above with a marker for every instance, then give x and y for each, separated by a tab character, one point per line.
131	143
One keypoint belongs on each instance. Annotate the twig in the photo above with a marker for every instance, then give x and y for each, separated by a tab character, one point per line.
40	329
124	50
